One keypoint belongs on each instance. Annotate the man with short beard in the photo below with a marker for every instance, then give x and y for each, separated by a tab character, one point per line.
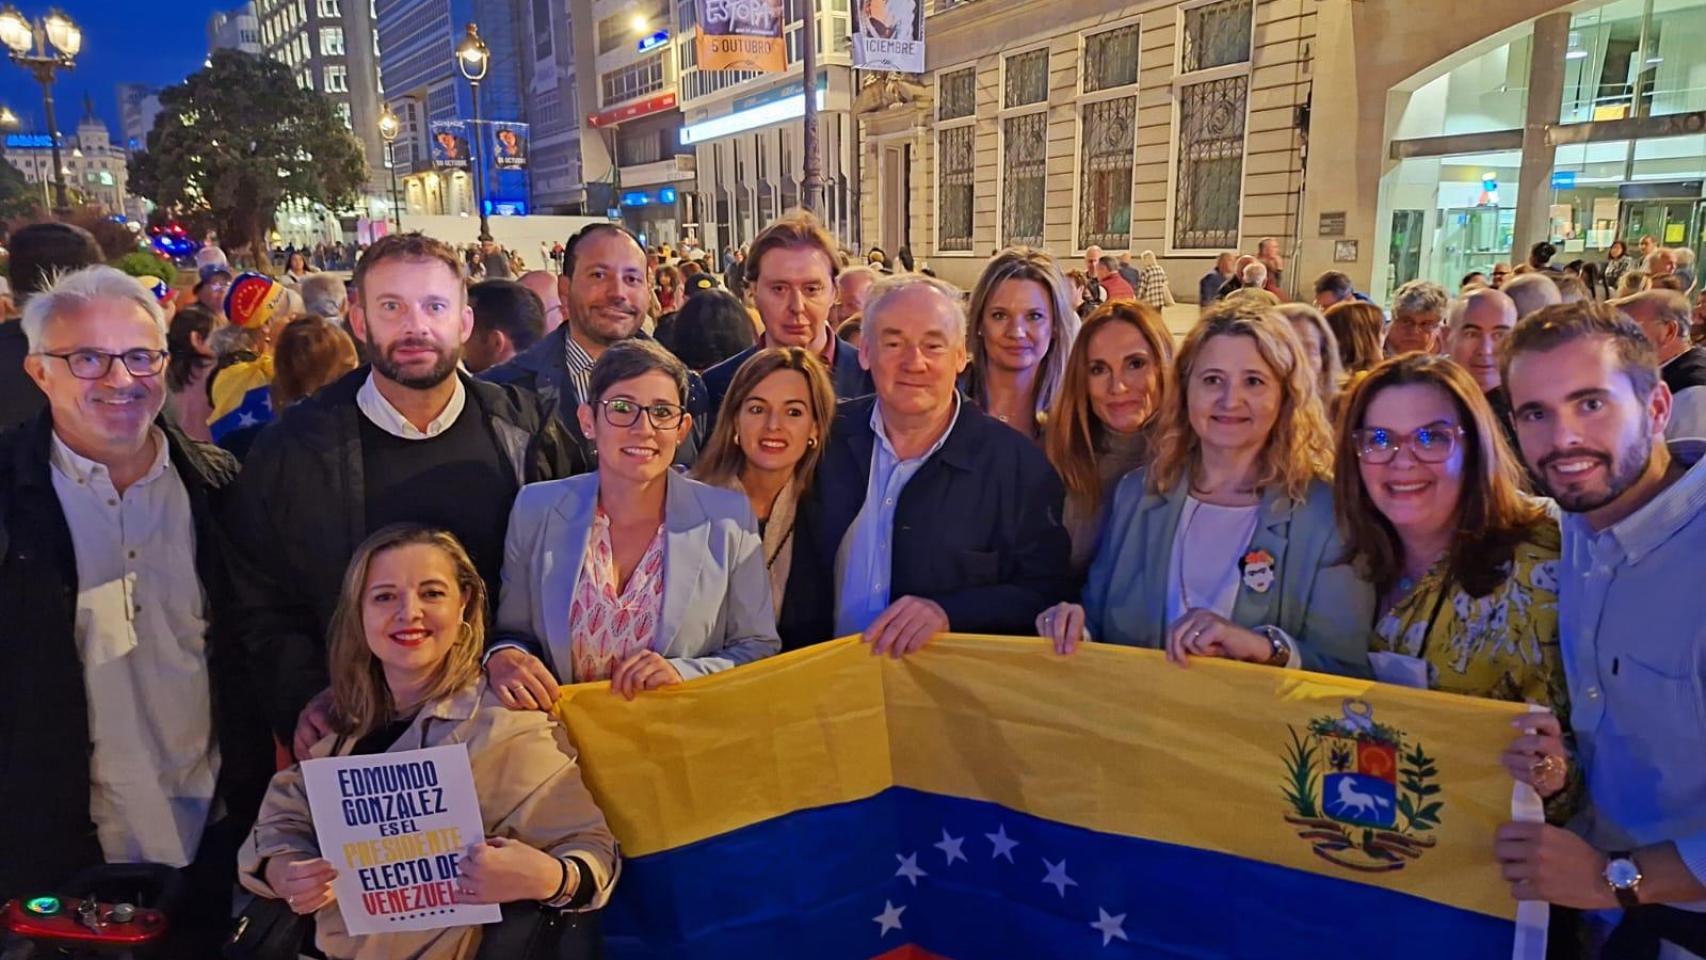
605	300
1591	410
408	438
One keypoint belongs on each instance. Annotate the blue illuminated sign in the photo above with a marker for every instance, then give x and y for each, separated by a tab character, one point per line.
654	41
29	140
1563	179
645	198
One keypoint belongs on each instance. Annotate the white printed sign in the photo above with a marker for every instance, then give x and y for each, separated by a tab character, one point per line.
395	827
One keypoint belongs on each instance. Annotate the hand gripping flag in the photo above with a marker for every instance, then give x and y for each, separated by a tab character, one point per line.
986	798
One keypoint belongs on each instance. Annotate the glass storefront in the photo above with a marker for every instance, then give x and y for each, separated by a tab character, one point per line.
1450	215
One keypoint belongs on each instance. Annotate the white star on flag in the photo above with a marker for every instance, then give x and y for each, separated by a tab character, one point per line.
1057	877
1110	927
889	919
1003	846
950	846
909	868
246	419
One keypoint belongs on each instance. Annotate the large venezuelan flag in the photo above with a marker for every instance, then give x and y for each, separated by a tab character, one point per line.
988	799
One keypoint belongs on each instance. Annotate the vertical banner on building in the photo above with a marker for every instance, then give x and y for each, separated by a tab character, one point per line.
509	145
450	144
741	35
889	35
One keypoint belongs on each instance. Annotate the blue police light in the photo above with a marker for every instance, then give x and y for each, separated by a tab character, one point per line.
636	198
666	195
654	41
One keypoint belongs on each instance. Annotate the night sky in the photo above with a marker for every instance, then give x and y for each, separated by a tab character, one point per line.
124	41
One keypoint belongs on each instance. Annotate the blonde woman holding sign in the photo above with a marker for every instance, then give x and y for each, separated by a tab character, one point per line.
405	664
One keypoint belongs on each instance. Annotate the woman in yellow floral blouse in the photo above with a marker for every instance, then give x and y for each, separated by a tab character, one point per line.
1464	564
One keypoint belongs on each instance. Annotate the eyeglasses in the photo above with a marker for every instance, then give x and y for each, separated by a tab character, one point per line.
626	413
1419	324
1431	444
95	364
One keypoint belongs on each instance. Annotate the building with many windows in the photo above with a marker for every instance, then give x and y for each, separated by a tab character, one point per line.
234	29
327	52
1364	137
553	107
1173	127
747	134
631	144
417	61
92	165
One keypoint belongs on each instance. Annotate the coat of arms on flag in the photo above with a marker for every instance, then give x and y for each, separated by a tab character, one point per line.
1364	800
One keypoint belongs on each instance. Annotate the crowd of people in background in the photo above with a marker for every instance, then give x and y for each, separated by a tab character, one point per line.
305	518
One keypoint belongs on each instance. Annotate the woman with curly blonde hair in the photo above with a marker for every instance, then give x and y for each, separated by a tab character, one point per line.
1226	546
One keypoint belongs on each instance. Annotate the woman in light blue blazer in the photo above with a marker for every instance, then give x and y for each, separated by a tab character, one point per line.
1226	545
633	573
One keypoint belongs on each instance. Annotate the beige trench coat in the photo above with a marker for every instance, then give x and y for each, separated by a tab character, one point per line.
530	790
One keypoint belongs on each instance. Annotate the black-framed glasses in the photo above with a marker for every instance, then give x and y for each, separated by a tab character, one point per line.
626	413
95	364
1431	444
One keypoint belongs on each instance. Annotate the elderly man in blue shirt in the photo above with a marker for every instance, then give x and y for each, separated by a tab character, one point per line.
1590	413
927	514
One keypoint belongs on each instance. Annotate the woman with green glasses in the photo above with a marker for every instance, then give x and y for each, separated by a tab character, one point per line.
633	573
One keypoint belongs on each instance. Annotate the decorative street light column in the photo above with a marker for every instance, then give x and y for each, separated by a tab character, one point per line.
44	47
473	58
389	127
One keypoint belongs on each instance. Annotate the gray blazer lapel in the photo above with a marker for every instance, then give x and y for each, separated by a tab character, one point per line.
567	528
686	552
1160	525
1254	607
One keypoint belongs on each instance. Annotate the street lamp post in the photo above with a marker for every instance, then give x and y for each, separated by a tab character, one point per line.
44	47
473	58
389	127
812	185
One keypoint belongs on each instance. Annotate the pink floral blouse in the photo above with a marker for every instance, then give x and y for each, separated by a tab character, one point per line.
607	626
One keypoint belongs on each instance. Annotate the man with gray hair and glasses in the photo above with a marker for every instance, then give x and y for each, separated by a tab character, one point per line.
927	515
128	722
1664	317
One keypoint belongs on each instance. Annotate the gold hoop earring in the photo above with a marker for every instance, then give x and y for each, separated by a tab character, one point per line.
811	442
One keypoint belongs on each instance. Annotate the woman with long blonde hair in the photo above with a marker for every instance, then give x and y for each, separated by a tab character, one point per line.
405	663
1115	377
1021	326
1225	545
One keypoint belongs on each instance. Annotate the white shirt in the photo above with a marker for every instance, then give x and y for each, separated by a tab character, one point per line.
383	415
1687	411
1203	570
141	632
1206	549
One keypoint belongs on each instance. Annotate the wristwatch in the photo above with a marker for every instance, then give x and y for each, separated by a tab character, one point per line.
1279	652
1623	876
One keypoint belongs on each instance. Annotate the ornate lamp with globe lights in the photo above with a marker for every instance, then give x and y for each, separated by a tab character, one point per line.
44	47
389	127
474	58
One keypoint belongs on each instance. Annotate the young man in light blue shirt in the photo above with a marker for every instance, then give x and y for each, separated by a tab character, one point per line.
1590	413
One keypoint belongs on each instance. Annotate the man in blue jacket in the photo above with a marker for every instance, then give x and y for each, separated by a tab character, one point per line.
792	271
605	302
927	515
